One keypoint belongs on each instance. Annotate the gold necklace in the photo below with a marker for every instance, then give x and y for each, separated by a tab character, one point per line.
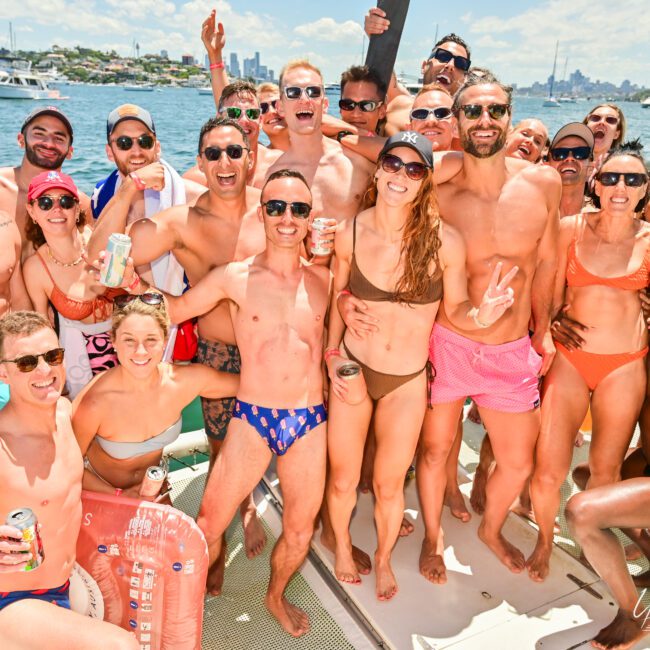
66	264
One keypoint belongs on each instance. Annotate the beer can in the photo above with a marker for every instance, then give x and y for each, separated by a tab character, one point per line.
153	481
317	238
117	252
25	520
351	372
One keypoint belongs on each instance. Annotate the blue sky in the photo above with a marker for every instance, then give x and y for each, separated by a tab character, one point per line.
606	40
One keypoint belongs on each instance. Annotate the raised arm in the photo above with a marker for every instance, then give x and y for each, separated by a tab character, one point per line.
364	145
214	40
17	291
198	379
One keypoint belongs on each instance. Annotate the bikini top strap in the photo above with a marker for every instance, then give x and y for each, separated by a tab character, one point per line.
354	233
44	263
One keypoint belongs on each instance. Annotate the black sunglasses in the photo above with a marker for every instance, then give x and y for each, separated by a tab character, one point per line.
609	179
233	151
148	298
578	153
440	113
610	119
277	207
295	92
65	201
265	106
495	111
234	112
392	164
30	361
125	142
444	56
365	105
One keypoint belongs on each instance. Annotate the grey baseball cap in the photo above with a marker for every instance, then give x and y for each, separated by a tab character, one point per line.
129	112
576	129
412	140
47	110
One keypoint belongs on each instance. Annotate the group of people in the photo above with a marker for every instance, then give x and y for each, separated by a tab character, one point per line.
465	257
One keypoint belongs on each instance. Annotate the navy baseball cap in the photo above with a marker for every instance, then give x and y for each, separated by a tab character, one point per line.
47	110
129	112
412	140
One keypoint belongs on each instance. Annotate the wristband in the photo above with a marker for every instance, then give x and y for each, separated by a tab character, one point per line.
331	352
139	183
134	284
473	313
343	292
341	134
118	492
217	66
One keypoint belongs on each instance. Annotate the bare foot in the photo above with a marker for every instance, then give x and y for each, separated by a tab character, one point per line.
580	439
473	415
622	633
642	580
406	528
477	495
538	562
291	618
345	568
510	555
386	585
432	563
361	558
633	552
214	582
456	503
254	534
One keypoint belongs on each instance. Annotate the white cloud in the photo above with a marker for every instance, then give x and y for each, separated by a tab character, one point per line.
327	29
489	41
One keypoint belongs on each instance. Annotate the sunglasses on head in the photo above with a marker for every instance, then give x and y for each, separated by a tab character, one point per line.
390	163
495	111
233	151
30	361
365	105
277	207
234	112
125	142
609	179
265	106
65	201
444	56
610	119
440	113
148	298
295	92
578	153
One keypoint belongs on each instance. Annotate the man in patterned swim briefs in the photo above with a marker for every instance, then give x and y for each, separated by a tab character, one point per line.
278	304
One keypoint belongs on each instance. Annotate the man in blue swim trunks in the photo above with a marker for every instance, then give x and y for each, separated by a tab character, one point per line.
41	469
278	304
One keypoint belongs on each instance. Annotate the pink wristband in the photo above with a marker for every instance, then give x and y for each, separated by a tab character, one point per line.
331	352
118	491
217	66
139	183
134	284
343	292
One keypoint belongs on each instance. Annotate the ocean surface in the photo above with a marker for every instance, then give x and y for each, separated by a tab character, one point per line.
178	114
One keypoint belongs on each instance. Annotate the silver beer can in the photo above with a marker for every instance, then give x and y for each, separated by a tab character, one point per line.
25	520
117	252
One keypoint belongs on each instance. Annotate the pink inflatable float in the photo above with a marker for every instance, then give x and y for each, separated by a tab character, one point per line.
150	564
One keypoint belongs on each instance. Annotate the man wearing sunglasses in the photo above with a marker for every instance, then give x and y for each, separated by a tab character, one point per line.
46	136
41	469
506	210
278	304
338	180
363	100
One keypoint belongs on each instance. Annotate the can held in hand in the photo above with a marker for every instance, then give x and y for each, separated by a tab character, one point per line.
25	520
153	481
351	372
117	252
317	238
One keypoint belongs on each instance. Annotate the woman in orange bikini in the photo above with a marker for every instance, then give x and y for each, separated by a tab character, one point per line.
604	262
58	274
398	243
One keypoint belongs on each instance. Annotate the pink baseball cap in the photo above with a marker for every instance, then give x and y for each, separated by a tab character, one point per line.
48	181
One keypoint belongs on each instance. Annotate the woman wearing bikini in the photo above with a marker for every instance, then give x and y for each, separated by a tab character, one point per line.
396	256
57	274
126	415
604	262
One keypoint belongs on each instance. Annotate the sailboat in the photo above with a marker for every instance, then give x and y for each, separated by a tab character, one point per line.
551	102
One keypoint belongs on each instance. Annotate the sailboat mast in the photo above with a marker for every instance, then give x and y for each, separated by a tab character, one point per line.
557	45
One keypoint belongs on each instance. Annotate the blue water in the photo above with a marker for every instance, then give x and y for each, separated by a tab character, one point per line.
179	113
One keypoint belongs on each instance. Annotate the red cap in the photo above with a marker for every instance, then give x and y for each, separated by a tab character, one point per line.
48	181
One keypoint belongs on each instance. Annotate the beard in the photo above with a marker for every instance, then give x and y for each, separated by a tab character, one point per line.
481	151
45	163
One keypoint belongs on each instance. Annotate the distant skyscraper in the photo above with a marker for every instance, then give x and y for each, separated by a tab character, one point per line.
256	71
187	59
234	65
164	54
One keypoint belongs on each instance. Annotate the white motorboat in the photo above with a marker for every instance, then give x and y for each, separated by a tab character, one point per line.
139	88
205	91
18	81
645	103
